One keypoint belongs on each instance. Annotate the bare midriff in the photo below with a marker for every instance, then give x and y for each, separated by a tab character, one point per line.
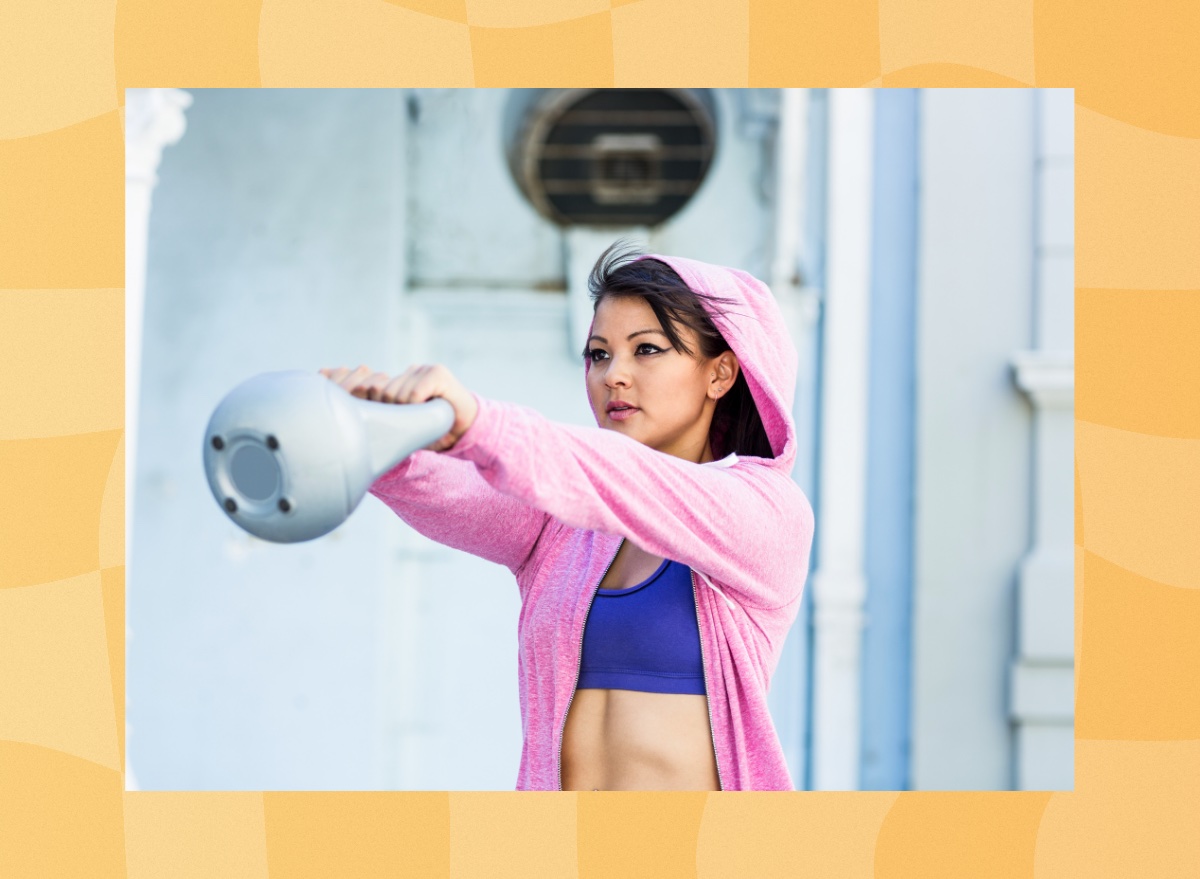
628	740
631	740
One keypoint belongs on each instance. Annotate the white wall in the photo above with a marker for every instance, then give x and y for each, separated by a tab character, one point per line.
470	224
276	242
972	493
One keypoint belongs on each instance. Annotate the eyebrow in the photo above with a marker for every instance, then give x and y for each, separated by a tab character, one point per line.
627	338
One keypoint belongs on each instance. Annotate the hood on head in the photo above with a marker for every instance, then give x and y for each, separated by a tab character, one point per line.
757	333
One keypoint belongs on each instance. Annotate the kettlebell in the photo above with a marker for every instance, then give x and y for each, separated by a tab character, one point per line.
289	455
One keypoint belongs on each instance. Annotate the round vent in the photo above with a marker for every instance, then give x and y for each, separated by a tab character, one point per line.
614	157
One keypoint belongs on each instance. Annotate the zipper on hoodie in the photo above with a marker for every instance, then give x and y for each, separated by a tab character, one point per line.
579	660
704	669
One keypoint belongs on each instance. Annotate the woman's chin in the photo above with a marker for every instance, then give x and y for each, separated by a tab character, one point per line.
621	427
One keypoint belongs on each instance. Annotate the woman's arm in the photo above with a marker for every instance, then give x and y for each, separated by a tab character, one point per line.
443	498
747	525
447	500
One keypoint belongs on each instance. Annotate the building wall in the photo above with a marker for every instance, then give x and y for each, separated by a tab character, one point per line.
973	447
469	223
275	242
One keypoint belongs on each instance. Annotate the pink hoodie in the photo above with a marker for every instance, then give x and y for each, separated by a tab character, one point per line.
552	503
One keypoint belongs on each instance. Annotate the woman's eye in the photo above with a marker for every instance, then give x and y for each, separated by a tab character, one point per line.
595	354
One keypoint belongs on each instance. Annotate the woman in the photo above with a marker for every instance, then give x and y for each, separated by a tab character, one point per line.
661	559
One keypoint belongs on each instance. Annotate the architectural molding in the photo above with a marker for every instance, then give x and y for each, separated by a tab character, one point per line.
154	118
1041	694
1047	377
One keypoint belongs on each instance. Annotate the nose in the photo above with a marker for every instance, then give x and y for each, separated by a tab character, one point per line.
617	373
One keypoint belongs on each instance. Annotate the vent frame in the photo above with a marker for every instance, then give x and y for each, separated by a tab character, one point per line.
626	145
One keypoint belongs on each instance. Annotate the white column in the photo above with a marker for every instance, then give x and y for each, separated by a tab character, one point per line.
153	119
839	583
1042	683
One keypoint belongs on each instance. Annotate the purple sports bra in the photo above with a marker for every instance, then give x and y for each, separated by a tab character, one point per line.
645	637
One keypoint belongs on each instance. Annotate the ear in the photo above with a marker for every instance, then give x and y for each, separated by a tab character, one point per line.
722	374
731	364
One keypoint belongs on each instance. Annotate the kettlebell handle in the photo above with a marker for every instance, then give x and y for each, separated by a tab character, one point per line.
289	455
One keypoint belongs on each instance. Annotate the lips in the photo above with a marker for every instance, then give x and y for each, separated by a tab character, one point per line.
620	411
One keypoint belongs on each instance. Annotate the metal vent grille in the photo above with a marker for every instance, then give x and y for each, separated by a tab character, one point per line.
614	157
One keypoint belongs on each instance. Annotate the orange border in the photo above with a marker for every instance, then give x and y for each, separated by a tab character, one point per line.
1135	810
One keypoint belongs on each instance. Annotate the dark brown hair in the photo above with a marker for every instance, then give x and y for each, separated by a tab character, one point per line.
736	426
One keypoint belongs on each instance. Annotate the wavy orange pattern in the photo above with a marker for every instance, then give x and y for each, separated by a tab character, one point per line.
1135	808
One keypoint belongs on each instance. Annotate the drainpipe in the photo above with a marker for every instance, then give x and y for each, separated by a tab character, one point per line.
839	583
1042	676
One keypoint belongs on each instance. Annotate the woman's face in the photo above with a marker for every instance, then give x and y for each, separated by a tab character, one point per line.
673	395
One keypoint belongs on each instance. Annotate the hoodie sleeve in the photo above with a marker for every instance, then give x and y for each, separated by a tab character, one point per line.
448	501
747	525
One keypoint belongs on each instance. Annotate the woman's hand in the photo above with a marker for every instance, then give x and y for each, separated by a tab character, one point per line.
417	384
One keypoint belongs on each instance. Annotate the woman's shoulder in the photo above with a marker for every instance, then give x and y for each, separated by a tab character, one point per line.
768	471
